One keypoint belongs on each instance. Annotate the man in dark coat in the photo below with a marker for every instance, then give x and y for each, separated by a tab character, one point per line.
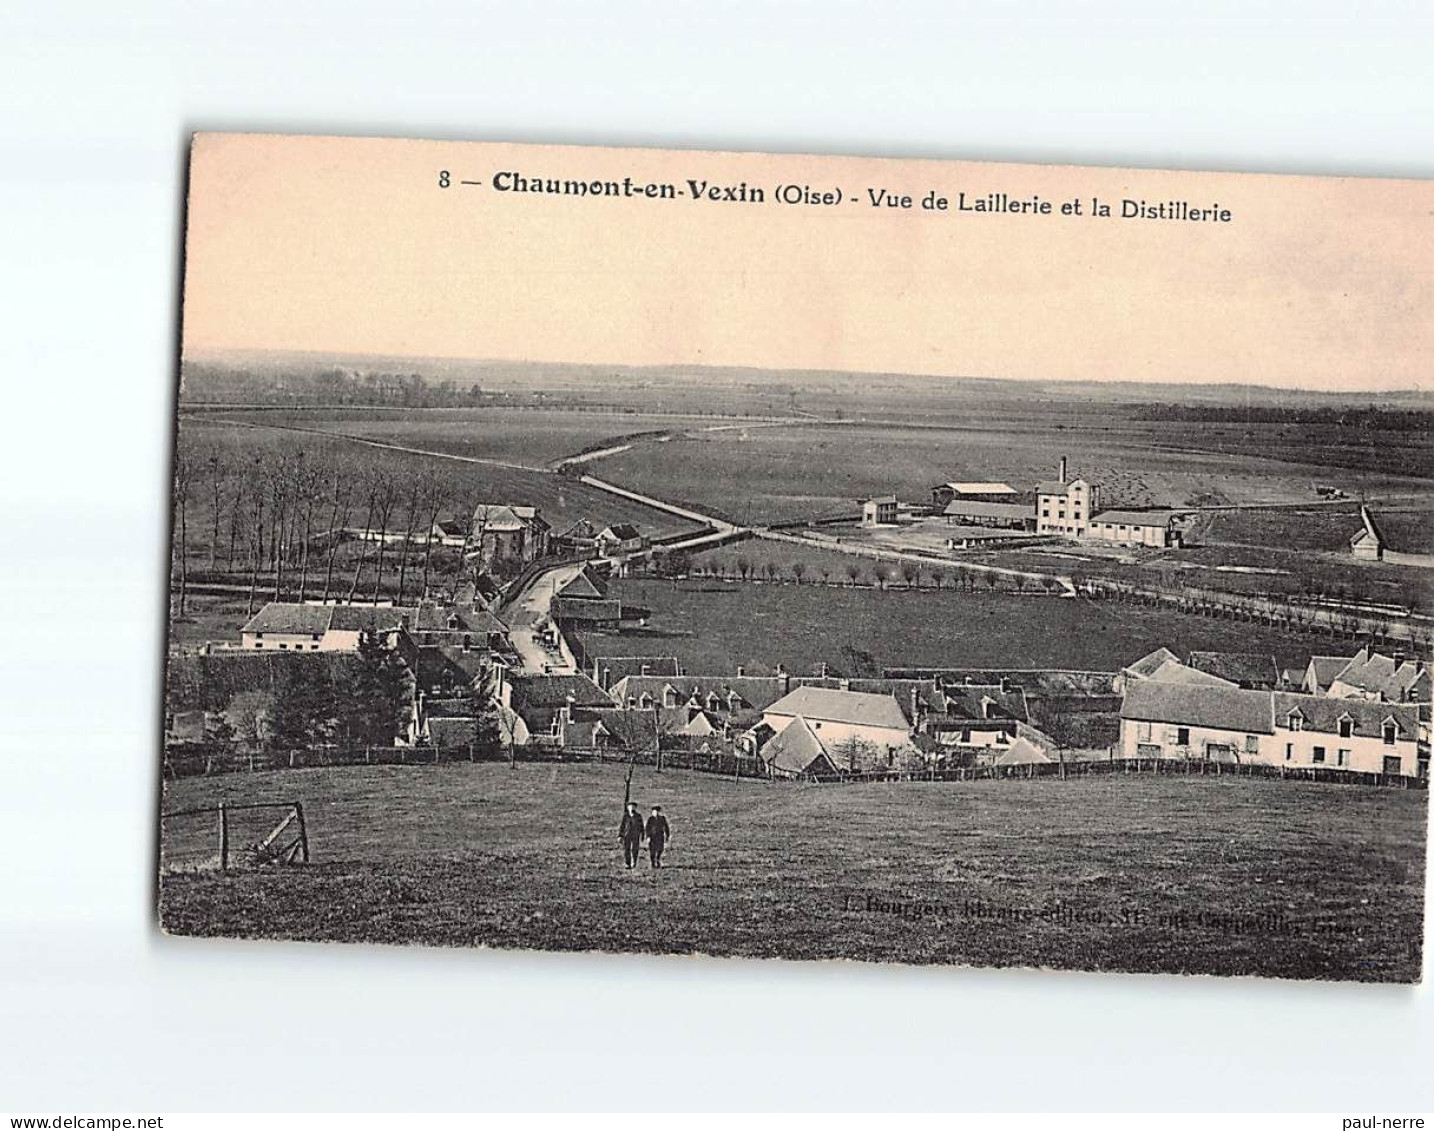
658	834
630	833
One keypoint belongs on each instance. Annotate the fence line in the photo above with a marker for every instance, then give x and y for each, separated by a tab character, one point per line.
202	762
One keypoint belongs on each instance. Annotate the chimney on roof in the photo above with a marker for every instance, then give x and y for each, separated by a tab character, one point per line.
1063	469
741	671
781	669
915	701
821	669
1005	684
646	669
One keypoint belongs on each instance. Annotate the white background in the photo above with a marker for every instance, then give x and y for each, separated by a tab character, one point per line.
98	1012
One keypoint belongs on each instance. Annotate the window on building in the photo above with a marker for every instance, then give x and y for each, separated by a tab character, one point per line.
1346	728
1342	758
283	647
258	644
1391	733
1295	722
1182	736
1289	751
1252	744
1142	732
1318	755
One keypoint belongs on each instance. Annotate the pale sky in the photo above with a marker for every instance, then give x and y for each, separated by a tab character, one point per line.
350	245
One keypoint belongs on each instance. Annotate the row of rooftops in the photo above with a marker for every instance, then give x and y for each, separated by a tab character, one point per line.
304	619
1261	712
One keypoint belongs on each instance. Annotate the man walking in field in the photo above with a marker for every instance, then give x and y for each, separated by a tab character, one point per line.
630	833
658	834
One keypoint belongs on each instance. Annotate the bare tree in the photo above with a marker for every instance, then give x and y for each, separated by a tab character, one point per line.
435	497
853	571
411	513
369	489
308	486
216	480
338	518
183	476
799	570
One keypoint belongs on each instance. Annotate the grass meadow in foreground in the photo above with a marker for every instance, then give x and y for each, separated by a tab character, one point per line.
1130	873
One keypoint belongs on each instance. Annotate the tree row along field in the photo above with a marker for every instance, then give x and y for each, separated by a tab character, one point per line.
1312	881
712	626
255	507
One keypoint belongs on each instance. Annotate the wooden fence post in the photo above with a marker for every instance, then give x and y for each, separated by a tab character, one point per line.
223	838
303	831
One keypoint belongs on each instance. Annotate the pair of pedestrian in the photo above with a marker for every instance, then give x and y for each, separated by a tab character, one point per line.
633	830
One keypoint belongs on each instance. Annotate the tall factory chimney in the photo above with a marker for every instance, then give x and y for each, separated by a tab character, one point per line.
1063	469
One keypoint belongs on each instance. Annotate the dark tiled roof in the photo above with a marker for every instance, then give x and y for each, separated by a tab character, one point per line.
619	667
1323	714
624	531
554	690
967	701
1248	669
752	691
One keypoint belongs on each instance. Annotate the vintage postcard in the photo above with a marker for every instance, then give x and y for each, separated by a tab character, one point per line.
795	557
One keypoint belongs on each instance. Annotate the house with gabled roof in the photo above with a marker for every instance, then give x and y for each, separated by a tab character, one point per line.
1231	724
1368	541
1387	678
621	538
845	719
507	532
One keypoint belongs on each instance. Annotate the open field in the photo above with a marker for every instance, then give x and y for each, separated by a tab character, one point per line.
1205	875
533	437
712	626
787	473
1408	526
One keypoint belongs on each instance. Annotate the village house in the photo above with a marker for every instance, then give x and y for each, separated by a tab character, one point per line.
880	511
450	532
1065	507
1387	679
1164	666
944	494
507	533
843	722
1155	528
1368	541
736	700
579	538
285	626
547	703
621	538
1231	724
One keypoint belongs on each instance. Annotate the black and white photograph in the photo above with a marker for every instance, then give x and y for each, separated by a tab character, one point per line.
551	571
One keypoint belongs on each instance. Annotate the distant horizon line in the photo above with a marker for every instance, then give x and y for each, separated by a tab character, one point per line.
198	353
